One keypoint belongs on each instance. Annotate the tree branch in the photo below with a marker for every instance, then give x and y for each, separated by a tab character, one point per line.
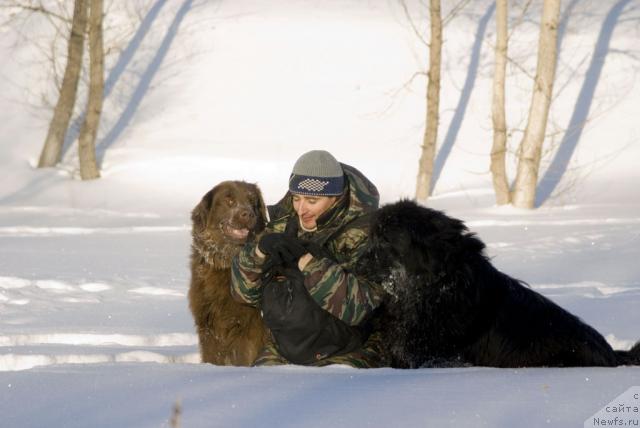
416	30
520	18
36	9
454	12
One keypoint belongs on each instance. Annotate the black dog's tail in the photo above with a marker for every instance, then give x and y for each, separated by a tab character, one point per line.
630	357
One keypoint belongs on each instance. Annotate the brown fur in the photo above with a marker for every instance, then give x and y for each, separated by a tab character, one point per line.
230	333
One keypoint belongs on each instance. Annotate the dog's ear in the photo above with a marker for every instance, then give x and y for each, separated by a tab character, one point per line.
260	209
410	245
402	243
201	211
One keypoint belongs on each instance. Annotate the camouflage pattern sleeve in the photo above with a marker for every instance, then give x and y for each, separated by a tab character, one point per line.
336	289
246	268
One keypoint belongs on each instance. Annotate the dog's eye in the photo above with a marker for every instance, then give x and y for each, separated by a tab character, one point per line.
231	202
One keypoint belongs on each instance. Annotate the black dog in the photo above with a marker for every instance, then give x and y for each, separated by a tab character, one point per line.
447	305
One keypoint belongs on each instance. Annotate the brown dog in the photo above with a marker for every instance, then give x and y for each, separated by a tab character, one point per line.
230	214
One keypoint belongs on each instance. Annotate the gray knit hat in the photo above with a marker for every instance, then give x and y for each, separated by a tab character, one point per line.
317	173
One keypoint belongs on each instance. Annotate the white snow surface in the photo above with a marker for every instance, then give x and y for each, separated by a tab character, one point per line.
94	324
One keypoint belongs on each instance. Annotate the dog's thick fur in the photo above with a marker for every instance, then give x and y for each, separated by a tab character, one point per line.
448	305
230	214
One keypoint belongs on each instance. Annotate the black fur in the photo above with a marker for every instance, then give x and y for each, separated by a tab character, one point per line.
447	304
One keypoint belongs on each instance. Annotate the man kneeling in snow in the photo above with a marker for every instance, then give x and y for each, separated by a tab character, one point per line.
300	272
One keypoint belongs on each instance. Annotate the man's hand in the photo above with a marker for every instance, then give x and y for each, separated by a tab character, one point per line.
290	248
267	243
281	248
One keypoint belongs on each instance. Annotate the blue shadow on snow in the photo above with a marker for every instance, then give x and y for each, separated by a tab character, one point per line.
123	60
580	115
463	102
143	85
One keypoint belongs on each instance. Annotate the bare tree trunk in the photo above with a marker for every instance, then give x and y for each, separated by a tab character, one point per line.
531	146
89	130
499	149
425	167
52	150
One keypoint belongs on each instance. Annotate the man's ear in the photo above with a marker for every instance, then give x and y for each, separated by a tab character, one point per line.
200	213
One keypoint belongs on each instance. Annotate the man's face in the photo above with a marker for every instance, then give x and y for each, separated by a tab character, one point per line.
309	208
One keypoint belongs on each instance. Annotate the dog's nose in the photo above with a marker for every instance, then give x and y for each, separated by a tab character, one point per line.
246	214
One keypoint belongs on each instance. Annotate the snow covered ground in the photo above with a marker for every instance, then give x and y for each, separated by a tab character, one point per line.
94	324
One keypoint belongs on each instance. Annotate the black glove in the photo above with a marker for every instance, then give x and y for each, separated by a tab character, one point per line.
268	241
316	250
291	248
283	251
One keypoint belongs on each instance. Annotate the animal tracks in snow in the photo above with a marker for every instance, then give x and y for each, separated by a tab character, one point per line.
27	231
95	339
20	291
588	289
629	221
94	287
8	283
55	286
91	348
26	351
13	362
157	291
23	301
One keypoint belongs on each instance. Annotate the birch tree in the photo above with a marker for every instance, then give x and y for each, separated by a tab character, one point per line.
89	130
499	148
79	26
52	149
531	146
425	167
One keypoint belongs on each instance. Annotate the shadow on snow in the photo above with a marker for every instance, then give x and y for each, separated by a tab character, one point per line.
463	102
580	115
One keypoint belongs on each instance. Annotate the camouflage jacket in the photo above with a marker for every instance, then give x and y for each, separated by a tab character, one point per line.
331	283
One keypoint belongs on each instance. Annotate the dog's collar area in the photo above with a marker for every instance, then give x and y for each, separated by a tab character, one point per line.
200	251
209	253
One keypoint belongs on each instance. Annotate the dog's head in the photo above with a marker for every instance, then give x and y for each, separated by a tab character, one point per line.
405	236
229	215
